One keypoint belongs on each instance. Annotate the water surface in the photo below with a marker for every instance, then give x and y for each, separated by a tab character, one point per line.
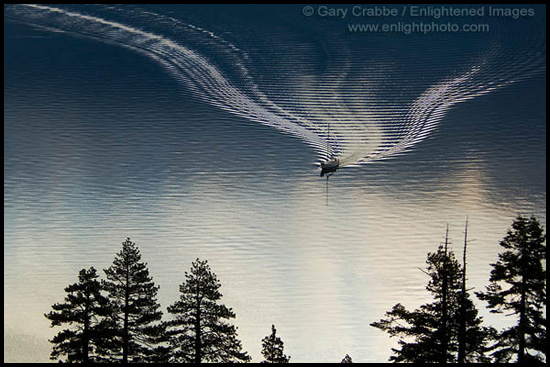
102	142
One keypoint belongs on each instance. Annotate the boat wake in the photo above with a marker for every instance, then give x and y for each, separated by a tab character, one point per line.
376	108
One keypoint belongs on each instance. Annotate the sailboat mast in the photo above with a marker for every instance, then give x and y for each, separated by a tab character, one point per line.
328	141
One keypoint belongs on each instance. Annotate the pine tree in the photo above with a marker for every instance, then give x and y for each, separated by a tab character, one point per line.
518	287
429	334
273	348
347	359
199	331
87	312
137	311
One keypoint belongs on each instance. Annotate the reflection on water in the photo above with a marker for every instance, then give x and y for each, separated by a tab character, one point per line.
101	144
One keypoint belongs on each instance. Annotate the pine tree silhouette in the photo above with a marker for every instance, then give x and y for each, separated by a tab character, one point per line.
347	359
518	287
137	312
273	348
86	311
200	331
430	333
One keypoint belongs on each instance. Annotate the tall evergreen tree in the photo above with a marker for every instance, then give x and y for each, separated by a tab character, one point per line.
273	348
518	287
137	312
429	334
87	312
200	331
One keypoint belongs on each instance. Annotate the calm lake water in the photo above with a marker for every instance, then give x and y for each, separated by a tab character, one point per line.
196	131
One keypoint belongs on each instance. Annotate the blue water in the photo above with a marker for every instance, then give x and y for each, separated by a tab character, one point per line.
197	131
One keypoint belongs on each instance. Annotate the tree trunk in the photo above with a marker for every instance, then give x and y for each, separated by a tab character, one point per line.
86	333
522	322
125	332
462	326
444	316
198	347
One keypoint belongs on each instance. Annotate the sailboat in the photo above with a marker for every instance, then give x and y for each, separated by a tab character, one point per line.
331	165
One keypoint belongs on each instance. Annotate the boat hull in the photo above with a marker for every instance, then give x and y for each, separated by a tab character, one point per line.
329	167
